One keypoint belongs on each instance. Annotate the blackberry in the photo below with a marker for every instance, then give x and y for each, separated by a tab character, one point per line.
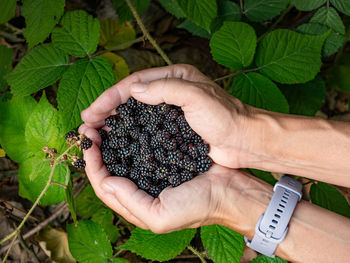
192	150
143	119
135	174
162	136
103	134
174	157
203	163
171	127
123	153
151	166
132	103
143	183
109	156
179	139
146	154
155	143
164	184
160	154
121	170
170	144
161	172
113	141
183	147
151	128
172	115
105	146
188	164
123	142
71	134
86	143
123	111
134	133
174	180
163	109
154	191
80	164
203	149
111	121
144	139
144	171
119	131
181	122
196	139
155	119
187	133
135	148
129	122
186	176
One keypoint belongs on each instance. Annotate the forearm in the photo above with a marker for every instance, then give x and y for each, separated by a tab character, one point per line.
315	234
308	147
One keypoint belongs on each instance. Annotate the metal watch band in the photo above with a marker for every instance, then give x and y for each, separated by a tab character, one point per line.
272	226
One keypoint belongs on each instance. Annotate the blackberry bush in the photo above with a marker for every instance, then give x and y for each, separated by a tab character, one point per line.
153	146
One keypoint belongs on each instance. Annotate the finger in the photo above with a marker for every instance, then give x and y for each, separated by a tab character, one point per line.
172	91
119	93
92	134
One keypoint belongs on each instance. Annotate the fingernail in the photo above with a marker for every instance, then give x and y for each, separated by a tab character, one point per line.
139	87
107	188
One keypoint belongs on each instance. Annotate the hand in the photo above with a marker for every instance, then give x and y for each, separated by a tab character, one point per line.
216	116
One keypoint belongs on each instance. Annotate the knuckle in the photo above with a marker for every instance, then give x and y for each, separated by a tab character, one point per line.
159	227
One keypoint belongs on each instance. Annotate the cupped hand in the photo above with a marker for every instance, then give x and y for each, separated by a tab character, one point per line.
212	113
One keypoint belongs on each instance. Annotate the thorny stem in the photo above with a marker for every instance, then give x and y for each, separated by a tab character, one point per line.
121	46
49	181
147	34
194	251
11	245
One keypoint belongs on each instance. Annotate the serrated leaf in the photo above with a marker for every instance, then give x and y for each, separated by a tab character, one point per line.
158	247
5	65
42	128
227	11
233	45
303	5
78	35
114	34
14	117
104	217
258	91
329	17
260	10
124	12
33	175
81	84
265	259
8	8
87	203
41	17
283	54
333	42
88	242
55	244
338	76
342	5
172	7
329	197
263	175
120	68
200	12
120	260
194	29
41	67
222	243
307	98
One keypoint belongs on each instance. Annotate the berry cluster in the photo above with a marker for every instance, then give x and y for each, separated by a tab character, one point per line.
153	146
80	141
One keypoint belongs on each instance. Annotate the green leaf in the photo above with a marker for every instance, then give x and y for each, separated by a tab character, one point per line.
120	260
307	98
88	242
33	175
222	243
329	17
104	217
333	42
70	199
78	35
41	67
200	12
81	84
42	128
338	76
227	11
5	65
263	175
303	5
8	8
283	54
120	68
260	10
172	7
88	203
265	259
124	12
329	197
41	17
114	34
14	117
342	5
194	29
233	45
258	91
158	247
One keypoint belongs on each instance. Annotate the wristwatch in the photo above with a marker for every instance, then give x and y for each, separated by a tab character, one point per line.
272	226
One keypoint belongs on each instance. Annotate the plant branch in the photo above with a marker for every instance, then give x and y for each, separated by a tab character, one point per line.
121	46
241	5
147	34
11	245
280	18
199	255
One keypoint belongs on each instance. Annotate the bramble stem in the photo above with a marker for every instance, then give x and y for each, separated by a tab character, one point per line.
11	245
147	34
194	251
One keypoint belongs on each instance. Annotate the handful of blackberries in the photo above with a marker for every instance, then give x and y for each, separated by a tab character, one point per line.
153	146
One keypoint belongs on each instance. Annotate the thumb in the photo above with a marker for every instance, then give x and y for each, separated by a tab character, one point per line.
178	92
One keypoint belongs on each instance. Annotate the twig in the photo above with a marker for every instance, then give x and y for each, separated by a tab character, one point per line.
121	46
241	5
280	18
11	245
10	208
194	251
147	34
30	251
16	30
11	37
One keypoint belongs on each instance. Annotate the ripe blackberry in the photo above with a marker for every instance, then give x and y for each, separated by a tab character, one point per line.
109	156
154	191
171	127
135	174
163	109
203	163
135	148
103	134
86	143
172	115
121	170
196	139
151	166
161	172
143	183
203	148
143	119
134	133
151	128
186	176
105	146
174	180
192	150
80	164
123	111
146	154
113	141
183	147
162	136
155	143
181	122
187	133
129	122
144	171
160	154
123	153
188	164
111	121
119	131
123	142
71	134
174	157
132	103
144	139
155	119
170	144
179	139
164	184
